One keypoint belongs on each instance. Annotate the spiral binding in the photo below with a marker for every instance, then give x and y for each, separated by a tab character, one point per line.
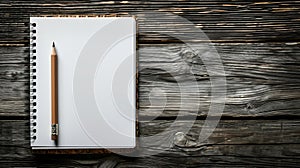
33	103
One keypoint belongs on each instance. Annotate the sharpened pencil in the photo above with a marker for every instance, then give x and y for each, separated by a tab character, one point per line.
54	89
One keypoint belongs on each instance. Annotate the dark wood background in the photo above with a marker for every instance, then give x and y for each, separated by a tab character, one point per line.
258	42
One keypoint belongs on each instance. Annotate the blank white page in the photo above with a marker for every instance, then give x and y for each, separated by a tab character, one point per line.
96	82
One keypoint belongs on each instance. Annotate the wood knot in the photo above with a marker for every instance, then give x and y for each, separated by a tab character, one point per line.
249	106
14	75
190	57
183	141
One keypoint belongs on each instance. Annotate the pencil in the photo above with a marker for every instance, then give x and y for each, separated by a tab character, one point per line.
54	107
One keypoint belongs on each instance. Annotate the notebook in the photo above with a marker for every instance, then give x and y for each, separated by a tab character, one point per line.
96	82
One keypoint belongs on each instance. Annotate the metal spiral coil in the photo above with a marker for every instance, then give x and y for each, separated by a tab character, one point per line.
33	103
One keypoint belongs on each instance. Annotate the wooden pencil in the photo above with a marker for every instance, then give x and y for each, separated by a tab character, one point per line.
54	89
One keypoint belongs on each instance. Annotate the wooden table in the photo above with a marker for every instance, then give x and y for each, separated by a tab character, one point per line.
259	45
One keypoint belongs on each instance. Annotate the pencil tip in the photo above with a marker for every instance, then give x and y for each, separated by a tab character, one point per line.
53	45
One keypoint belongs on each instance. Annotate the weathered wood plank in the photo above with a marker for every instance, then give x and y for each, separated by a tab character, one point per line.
14	72
14	88
220	20
278	61
14	55
234	142
262	80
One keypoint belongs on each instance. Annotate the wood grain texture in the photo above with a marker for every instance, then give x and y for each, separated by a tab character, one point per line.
258	42
14	89
234	142
262	80
222	21
14	55
259	81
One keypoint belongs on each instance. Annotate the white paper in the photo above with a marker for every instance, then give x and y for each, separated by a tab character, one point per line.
96	82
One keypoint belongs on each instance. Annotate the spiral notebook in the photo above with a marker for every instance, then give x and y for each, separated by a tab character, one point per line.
96	82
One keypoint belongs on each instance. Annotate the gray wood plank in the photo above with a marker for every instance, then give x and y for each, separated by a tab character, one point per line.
14	55
14	88
243	21
234	142
262	80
